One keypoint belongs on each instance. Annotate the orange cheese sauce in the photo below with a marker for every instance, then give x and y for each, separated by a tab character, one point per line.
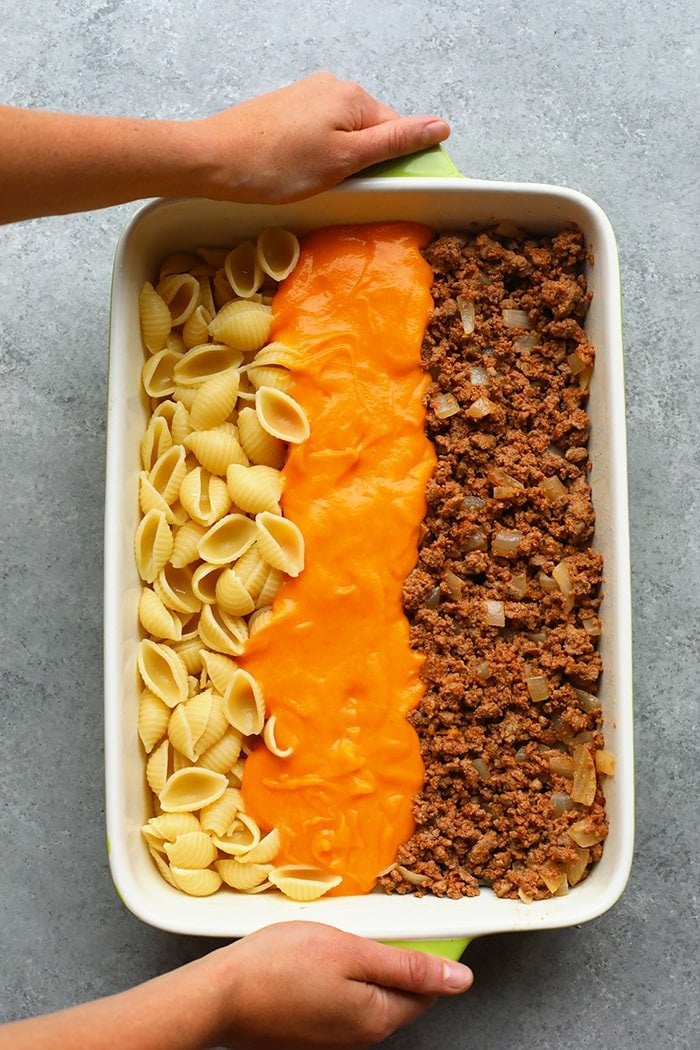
335	663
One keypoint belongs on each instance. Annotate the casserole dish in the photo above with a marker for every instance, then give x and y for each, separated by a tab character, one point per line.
444	202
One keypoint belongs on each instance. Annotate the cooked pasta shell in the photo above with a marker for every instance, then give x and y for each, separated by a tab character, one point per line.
199	882
204	496
154	716
269	375
277	252
266	850
165	410
215	400
220	669
231	594
244	703
243	836
258	445
175	589
218	818
213	256
217	724
235	774
185	544
204	362
163	868
260	618
216	449
280	415
189	649
157	767
181	292
277	354
253	571
162	671
158	374
243	270
192	789
196	328
242	876
180	425
205	580
242	324
184	395
176	343
270	588
222	755
222	291
178	262
155	441
153	544
280	543
206	295
222	632
191	850
187	723
168	826
271	740
266	885
156	619
303	883
155	318
254	489
180	761
150	499
168	473
227	540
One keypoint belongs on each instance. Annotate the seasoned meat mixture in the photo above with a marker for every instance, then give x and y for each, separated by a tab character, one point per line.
503	602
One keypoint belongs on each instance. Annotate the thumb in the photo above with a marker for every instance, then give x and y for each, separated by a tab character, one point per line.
411	971
398	137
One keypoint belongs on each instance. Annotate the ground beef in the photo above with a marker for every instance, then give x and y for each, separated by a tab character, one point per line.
495	809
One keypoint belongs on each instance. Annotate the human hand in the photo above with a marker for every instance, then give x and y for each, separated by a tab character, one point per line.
303	985
302	139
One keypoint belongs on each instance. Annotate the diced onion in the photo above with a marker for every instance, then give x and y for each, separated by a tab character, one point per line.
475	542
516	319
584	784
584	378
538	688
585	834
576	363
575	869
547	584
605	763
562	803
498	476
521	756
526	342
412	876
518	585
483	670
591	625
587	701
507	228
505	543
467	313
562	765
552	879
433	599
481	768
560	573
480	408
495	613
553	488
479	376
524	897
454	585
503	491
473	503
446	405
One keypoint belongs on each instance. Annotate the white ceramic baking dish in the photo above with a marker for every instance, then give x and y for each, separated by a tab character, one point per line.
444	202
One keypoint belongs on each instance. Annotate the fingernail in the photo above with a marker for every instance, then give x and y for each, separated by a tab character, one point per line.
456	976
435	130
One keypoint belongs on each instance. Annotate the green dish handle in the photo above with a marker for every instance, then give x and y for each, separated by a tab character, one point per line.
447	949
434	163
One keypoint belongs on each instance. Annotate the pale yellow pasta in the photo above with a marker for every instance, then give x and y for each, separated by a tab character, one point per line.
262	888
266	850
260	618
235	774
223	754
181	292
176	343
254	489
196	329
180	761
178	262
216	449
270	588
244	703
156	619
227	540
204	362
192	850
280	415
162	671
151	499
259	446
243	271
204	496
201	882
206	295
180	426
154	716
277	252
187	723
155	318
277	354
243	325
302	883
175	588
168	473
253	571
222	291
155	441
280	543
270	739
215	257
220	815
163	868
269	375
216	727
242	876
158	374
231	594
165	410
153	544
157	767
215	400
189	649
184	395
242	837
185	544
168	826
204	581
191	789
219	668
222	632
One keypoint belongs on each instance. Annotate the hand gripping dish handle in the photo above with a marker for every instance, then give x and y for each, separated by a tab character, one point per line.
433	163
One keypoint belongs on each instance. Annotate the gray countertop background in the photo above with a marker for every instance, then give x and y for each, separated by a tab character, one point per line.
598	96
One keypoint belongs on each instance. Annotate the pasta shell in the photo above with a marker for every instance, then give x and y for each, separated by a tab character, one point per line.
189	649
192	850
220	669
180	425
184	395
216	449
242	876
151	499
215	400
153	544
178	262
277	354
222	290
165	410
277	252
214	256
163	868
168	473
217	724
266	850
187	723
155	441
155	318
270	588
218	818
269	375
176	343
260	618
206	295
271	740
258	445
205	580
200	882
267	885
204	496
280	415
157	767
243	325
244	703
243	837
191	789
204	362
280	543
243	270
235	774
180	761
222	632
223	755
168	826
196	328
185	544
227	540
158	374
154	716
181	292
253	571
175	589
254	489
231	594
303	883
163	672
156	619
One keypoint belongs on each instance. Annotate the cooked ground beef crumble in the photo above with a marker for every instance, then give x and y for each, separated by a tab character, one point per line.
509	724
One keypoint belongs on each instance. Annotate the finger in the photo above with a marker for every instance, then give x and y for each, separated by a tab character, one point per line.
390	1010
397	138
411	971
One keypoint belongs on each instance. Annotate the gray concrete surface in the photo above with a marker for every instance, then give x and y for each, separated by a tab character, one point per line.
598	96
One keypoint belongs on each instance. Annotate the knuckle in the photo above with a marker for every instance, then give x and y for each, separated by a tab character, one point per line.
417	968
